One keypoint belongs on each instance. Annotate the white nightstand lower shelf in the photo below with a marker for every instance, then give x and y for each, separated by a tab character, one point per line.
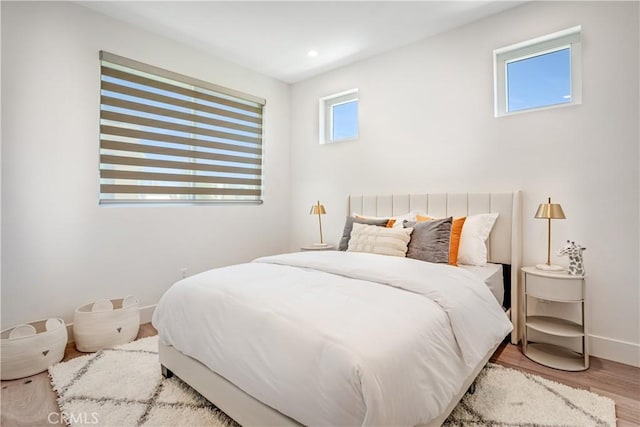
556	357
550	338
555	326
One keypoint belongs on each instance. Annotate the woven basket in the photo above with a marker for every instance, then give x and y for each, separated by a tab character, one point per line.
106	323
31	348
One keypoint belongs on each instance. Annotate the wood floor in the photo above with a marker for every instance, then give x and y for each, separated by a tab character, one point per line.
32	402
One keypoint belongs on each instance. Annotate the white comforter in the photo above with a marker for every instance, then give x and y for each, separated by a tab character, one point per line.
337	338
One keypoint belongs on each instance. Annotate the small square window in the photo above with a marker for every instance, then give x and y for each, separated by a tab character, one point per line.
339	117
344	118
539	81
539	73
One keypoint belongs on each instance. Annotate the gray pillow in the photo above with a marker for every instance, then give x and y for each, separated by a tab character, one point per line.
430	240
348	226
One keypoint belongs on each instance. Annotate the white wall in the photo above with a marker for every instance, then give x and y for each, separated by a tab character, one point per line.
60	249
427	125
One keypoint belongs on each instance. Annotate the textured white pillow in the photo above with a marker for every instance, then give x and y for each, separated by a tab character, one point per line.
379	240
475	231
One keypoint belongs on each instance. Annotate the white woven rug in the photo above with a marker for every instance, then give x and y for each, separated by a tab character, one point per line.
124	387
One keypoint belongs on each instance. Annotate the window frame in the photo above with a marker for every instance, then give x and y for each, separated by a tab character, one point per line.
167	139
326	121
569	38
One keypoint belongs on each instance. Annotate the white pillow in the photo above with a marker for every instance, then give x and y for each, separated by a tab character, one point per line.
379	240
475	231
411	216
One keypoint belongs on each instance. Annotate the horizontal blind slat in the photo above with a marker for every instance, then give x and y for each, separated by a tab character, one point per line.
107	71
140	134
166	164
149	189
171	177
159	111
127	118
138	93
139	148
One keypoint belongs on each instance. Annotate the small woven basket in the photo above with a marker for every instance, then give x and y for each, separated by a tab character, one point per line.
106	323
31	348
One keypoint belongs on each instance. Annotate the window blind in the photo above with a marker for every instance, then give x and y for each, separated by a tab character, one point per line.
166	137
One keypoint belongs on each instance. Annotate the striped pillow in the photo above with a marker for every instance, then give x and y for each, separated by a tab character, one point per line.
379	240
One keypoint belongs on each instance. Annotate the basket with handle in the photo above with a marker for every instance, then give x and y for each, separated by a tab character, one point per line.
30	348
106	323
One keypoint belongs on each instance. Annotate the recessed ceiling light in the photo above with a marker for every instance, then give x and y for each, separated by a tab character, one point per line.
312	53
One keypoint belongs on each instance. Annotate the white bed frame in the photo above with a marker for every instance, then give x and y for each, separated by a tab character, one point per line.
504	247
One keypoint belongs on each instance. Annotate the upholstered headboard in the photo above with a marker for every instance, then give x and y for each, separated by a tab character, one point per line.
504	243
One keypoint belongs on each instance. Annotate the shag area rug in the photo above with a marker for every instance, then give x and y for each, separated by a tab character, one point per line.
123	386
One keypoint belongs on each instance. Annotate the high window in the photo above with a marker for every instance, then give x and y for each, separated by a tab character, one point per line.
540	73
339	117
165	137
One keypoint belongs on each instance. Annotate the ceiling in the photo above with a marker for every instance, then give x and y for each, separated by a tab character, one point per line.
274	38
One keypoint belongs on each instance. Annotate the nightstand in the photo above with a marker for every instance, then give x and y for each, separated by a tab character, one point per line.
560	339
317	248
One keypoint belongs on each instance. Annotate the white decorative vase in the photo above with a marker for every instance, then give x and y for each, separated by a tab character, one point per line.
31	348
106	323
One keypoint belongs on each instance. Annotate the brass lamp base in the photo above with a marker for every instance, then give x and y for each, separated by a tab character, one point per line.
321	245
549	267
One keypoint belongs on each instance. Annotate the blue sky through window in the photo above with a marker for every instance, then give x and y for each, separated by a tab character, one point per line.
345	120
539	81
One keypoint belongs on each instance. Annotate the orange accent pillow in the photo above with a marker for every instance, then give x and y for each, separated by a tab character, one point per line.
421	218
454	242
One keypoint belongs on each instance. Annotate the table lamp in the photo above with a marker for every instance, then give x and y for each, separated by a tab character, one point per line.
319	210
549	211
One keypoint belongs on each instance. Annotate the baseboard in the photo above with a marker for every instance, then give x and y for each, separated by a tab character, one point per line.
146	313
616	350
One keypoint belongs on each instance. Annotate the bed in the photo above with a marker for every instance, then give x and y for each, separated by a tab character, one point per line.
342	338
492	276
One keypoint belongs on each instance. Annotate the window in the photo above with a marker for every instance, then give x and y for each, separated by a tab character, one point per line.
339	117
538	73
165	137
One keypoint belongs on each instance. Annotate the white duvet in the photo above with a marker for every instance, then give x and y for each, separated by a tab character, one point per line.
337	338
